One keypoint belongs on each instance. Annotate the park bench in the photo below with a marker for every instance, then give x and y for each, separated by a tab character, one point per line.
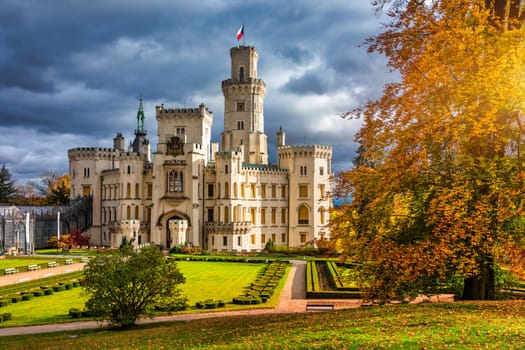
69	262
319	307
33	267
11	271
52	264
84	259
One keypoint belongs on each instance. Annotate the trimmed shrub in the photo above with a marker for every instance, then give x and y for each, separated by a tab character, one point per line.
27	297
76	284
5	302
15	298
69	286
75	313
89	313
48	291
38	293
6	316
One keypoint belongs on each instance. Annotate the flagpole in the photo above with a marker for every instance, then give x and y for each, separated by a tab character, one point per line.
244	31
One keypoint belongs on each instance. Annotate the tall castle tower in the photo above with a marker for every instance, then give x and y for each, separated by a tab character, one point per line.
243	107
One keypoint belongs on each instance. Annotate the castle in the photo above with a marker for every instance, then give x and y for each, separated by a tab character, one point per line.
191	191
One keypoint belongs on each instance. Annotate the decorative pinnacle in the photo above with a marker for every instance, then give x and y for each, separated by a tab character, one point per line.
140	117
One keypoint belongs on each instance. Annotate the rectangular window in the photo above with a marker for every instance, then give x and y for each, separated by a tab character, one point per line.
252	187
181	131
283	237
150	191
274	191
274	214
263	216
283	191
210	214
252	239
273	237
239	240
86	190
210	190
242	190
240	106
252	215
263	238
303	237
303	191
283	216
321	190
225	240
263	191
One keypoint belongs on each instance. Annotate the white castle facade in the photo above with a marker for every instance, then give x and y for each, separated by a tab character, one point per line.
191	191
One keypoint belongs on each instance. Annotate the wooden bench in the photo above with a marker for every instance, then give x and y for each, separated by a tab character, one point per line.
52	264
33	267
10	271
310	307
84	259
69	262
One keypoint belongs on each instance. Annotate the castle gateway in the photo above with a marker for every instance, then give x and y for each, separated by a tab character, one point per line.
190	190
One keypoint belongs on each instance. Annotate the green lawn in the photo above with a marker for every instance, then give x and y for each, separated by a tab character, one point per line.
216	280
17	262
492	325
204	280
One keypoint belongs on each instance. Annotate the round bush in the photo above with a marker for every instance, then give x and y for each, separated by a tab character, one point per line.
27	297
76	284
7	316
5	302
75	313
38	293
48	291
15	298
69	286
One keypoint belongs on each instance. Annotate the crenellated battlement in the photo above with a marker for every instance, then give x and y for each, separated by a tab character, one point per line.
92	152
317	151
200	112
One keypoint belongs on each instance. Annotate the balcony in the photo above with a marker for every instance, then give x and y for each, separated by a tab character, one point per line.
238	228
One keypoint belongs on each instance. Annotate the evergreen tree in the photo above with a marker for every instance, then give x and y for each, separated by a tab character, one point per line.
7	187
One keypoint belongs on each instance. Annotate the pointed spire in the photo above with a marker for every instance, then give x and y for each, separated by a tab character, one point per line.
140	117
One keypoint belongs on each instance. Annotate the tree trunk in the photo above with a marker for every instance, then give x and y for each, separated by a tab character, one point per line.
481	287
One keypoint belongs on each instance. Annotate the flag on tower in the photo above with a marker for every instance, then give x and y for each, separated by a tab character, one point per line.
240	32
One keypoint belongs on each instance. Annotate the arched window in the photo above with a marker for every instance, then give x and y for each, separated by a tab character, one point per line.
303	215
175	181
136	212
128	190
226	190
241	73
226	214
234	190
226	169
128	212
129	169
137	192
321	215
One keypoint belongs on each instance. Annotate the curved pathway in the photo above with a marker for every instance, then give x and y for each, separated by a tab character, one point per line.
292	300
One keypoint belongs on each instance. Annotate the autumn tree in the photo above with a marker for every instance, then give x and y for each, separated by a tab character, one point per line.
54	187
7	187
80	239
438	183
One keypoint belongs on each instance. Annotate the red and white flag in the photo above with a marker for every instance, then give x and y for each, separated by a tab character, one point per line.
240	33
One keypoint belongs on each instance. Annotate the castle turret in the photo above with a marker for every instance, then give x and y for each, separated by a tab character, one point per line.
243	107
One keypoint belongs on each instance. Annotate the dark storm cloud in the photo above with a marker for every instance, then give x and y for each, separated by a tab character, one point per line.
72	72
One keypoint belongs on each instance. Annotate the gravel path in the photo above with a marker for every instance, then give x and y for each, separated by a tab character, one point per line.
292	300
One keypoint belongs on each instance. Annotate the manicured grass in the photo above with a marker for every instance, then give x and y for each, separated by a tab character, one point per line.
45	309
426	326
204	280
216	280
79	252
16	262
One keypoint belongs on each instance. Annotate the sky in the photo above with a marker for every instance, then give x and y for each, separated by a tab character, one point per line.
72	71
